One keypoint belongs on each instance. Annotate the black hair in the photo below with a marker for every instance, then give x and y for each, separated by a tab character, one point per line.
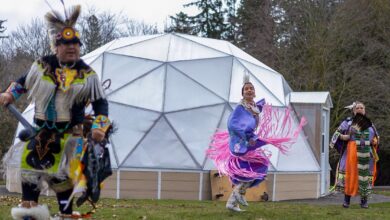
242	89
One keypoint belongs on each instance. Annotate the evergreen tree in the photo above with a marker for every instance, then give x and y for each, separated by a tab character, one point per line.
92	37
180	24
231	33
210	21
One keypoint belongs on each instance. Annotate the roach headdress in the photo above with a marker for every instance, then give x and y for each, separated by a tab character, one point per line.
62	29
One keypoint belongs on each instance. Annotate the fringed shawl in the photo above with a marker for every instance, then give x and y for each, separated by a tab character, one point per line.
275	127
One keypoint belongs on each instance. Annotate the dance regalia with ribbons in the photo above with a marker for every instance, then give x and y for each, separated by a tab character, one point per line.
231	152
58	154
356	170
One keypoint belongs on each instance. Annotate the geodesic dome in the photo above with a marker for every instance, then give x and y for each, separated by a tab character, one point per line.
171	92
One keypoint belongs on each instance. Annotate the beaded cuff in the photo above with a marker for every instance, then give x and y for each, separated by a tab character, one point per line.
102	123
16	90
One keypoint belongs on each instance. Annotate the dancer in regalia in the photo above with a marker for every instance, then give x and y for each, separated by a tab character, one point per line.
60	86
357	140
238	152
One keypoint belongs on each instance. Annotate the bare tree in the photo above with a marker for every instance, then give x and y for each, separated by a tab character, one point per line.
2	28
98	28
137	28
32	39
257	30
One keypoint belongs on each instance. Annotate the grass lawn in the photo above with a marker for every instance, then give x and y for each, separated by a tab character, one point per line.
176	209
382	192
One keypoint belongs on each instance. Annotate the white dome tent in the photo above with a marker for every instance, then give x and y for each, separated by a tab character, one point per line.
169	93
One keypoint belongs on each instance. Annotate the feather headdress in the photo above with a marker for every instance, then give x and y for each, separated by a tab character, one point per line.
245	80
61	28
245	77
351	106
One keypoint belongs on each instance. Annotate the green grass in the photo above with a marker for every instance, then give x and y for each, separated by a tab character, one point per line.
382	192
176	209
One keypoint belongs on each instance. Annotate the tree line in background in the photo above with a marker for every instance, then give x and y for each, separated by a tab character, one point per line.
341	46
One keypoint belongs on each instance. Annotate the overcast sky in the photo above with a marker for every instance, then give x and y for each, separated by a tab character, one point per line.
18	12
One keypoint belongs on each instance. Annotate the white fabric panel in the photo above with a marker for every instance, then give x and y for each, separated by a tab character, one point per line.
271	80
154	49
28	114
183	93
195	127
98	51
123	69
28	108
114	163
97	65
145	92
161	149
132	124
212	73
237	52
183	49
127	41
219	45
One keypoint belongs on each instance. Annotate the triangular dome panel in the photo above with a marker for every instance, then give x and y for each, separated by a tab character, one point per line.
161	148
184	93
154	49
219	45
132	124
126	41
300	151
114	162
183	49
264	92
271	80
197	136
236	86
233	105
214	73
237	52
98	51
223	123
209	165
122	69
145	92
97	65
274	154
